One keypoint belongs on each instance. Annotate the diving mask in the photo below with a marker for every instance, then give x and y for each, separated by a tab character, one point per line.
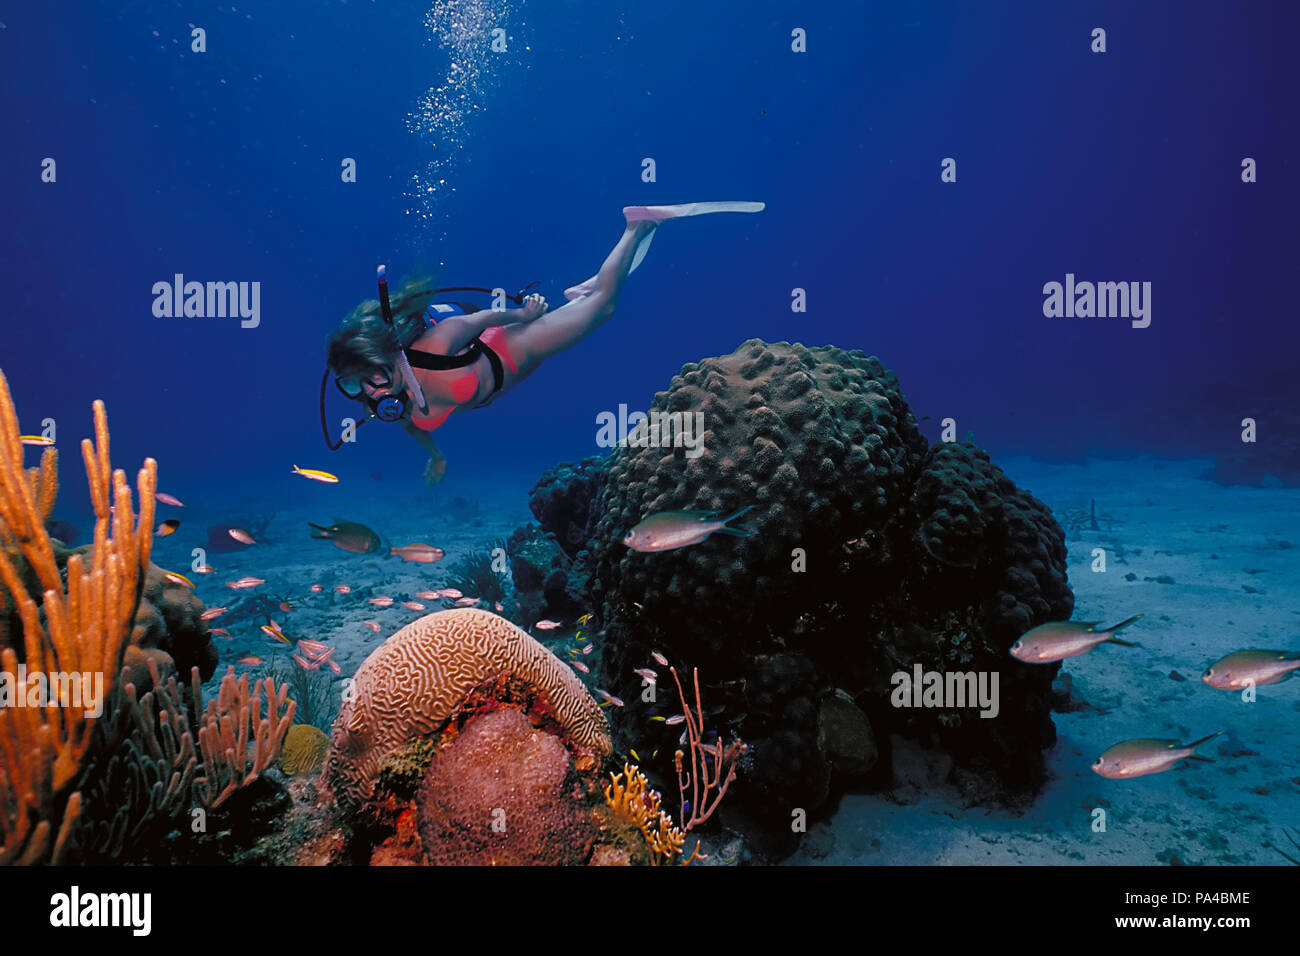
390	407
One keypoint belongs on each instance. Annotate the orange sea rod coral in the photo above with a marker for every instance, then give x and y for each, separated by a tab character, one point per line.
81	626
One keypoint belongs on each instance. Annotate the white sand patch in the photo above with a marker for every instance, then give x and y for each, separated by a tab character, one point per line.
1230	560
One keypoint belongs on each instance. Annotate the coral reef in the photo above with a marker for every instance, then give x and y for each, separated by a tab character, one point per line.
550	564
79	626
872	553
143	771
167	626
503	793
312	691
631	801
712	766
168	620
562	500
224	730
473	574
544	583
303	750
845	736
414	682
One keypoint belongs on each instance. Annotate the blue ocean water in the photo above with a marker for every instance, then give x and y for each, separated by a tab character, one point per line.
225	166
501	168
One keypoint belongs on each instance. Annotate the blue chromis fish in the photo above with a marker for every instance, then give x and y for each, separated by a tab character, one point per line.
679	529
1058	640
1144	755
1251	667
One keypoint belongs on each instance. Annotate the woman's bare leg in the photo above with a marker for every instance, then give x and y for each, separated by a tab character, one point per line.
592	302
571	323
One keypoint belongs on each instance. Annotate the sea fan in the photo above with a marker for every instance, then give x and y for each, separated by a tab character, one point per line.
313	691
473	574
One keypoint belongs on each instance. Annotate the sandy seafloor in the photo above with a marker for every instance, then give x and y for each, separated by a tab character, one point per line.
1228	560
400	511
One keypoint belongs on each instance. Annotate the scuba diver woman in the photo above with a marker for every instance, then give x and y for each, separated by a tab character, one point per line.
408	360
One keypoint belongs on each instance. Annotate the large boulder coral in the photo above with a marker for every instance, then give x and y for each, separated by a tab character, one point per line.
169	619
543	576
562	500
871	553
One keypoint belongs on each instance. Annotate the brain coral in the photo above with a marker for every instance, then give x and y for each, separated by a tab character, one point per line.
503	793
415	680
872	553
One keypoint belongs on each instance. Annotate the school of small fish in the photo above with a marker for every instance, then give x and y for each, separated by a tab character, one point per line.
1142	756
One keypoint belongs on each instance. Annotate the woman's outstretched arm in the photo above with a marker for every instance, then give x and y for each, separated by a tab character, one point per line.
452	334
437	466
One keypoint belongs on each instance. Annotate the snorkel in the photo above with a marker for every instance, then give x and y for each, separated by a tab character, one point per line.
391	408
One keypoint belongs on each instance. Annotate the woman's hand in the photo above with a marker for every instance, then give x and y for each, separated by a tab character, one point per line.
435	470
534	307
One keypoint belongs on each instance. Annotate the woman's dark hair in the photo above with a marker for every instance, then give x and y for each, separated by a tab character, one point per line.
364	341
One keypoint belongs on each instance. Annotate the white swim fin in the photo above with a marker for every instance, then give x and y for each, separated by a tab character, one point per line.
660	213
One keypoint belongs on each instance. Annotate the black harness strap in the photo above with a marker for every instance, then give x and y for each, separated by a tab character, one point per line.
445	363
498	372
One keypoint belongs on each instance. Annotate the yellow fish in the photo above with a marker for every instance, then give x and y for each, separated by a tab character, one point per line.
316	475
35	440
177	578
